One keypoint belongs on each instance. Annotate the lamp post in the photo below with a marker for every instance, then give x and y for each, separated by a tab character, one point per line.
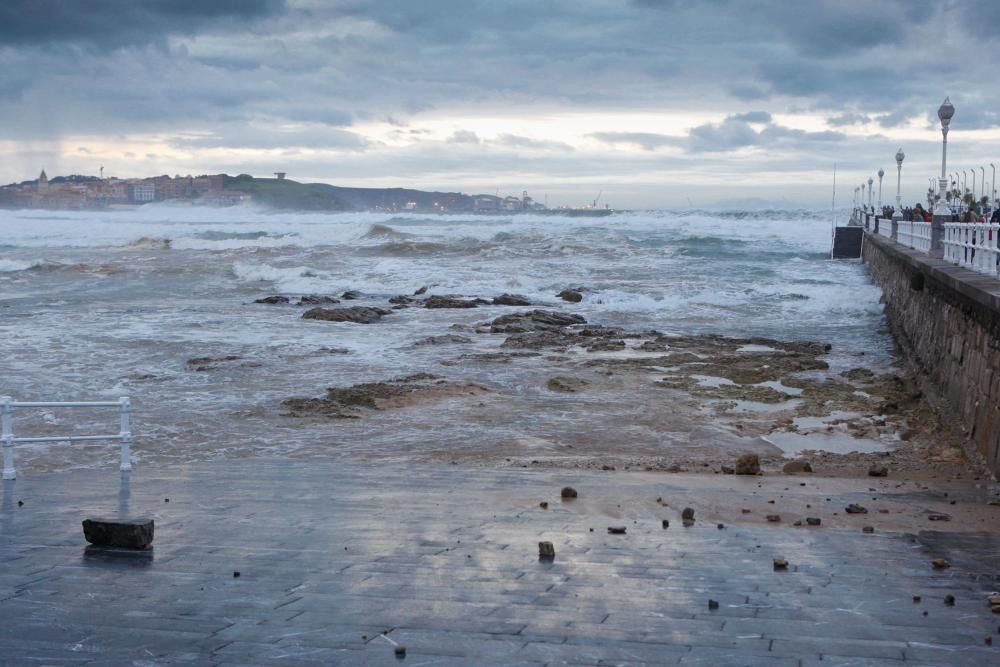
862	195
982	172
993	188
881	173
945	113
900	155
973	170
870	181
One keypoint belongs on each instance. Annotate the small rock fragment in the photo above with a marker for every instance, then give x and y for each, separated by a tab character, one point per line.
916	598
126	534
780	564
949	600
744	511
720	526
813	521
728	470
546	550
687	514
938	517
855	509
400	651
797	466
713	604
940	564
774	518
666	523
748	464
878	471
236	574
867	529
616	530
544	505
568	492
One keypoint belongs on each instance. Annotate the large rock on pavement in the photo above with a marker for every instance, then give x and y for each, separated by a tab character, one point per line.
748	464
356	314
121	533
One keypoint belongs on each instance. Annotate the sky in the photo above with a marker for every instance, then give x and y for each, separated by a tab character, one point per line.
651	103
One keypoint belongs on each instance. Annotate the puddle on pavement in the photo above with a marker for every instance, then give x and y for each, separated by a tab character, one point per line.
835	442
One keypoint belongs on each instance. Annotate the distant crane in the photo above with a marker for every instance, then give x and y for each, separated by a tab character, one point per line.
598	198
102	172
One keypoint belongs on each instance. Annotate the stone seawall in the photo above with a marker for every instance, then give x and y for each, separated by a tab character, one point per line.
946	319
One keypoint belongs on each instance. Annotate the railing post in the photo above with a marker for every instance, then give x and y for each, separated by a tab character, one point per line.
7	436
125	408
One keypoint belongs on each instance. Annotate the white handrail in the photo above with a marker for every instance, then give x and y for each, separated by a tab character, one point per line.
7	439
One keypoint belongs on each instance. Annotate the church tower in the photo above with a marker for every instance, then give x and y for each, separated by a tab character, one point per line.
43	182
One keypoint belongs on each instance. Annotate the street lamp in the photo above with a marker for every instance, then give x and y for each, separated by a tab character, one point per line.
994	188
898	213
881	173
945	113
863	195
973	170
982	172
870	181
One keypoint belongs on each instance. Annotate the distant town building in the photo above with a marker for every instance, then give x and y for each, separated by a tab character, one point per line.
143	192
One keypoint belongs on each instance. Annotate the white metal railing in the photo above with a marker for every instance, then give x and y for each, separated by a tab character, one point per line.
885	227
973	245
916	235
7	438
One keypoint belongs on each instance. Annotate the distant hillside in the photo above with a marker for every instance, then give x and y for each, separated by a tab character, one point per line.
285	194
364	199
292	195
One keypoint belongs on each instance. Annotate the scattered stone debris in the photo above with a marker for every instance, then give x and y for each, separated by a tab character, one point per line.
616	530
774	518
574	295
854	508
916	598
546	551
994	602
713	604
544	504
949	600
748	464
687	514
272	300
813	521
400	651
568	492
20	503
780	564
867	529
236	574
878	471
666	523
721	526
796	467
940	564
938	517
728	470
355	314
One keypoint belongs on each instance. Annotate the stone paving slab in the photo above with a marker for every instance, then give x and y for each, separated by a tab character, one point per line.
339	562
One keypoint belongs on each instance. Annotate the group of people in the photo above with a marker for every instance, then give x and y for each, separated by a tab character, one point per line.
919	214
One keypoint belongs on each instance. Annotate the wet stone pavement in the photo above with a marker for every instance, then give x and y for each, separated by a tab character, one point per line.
340	563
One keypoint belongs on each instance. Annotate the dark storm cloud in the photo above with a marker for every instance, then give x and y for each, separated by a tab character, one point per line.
110	24
264	74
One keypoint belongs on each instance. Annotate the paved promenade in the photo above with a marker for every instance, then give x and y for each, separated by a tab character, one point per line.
444	561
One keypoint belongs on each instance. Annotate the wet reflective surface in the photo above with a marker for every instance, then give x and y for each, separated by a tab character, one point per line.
445	559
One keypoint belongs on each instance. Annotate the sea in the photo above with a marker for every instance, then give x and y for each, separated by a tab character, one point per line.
101	304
